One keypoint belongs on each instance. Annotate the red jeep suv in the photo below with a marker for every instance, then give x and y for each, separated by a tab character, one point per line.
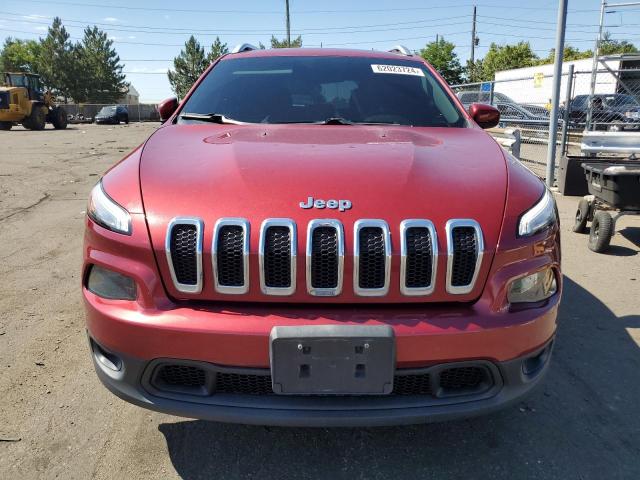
321	237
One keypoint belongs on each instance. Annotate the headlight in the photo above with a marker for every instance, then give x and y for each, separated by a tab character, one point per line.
533	288
107	213
109	284
540	216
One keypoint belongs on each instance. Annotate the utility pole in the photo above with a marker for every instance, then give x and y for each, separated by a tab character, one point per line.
555	98
594	68
288	26
473	36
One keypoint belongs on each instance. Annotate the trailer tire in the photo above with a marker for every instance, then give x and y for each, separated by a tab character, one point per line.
582	216
601	232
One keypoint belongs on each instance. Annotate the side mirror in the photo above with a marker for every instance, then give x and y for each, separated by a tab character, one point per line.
484	115
166	108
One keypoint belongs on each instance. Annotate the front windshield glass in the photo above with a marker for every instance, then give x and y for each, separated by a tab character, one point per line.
315	89
107	110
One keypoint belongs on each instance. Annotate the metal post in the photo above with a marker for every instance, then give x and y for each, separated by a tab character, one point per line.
555	99
492	88
567	110
594	68
473	36
288	26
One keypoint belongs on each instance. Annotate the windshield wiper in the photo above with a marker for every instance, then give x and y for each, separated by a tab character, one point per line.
210	117
344	121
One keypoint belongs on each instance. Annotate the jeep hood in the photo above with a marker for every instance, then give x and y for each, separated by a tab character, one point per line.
258	172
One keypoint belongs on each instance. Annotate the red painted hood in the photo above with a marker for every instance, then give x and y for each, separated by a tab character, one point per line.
257	172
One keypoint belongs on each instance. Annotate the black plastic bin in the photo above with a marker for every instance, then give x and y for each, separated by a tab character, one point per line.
617	184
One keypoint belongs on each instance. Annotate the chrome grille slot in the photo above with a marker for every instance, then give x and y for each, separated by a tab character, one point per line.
325	257
278	246
465	248
419	257
372	258
230	255
183	247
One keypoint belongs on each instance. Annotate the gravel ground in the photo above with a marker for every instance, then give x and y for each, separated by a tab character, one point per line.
57	421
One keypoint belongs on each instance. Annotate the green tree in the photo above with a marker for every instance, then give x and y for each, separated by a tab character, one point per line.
507	57
609	46
54	58
217	50
188	66
295	43
473	71
19	55
100	65
570	54
440	54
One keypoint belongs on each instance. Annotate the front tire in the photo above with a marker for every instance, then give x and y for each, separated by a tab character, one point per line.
59	118
582	216
37	119
601	232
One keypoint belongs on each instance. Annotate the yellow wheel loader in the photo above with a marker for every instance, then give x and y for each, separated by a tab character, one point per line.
22	100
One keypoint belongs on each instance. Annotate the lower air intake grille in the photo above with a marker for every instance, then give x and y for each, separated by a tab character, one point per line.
419	258
324	258
462	378
230	256
371	269
412	384
184	240
243	384
182	376
465	255
277	257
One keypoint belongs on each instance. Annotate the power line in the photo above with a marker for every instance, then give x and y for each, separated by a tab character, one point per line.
279	12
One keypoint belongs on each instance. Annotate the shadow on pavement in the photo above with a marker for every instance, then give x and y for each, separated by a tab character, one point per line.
582	423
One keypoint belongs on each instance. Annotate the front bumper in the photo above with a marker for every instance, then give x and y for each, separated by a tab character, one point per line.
512	380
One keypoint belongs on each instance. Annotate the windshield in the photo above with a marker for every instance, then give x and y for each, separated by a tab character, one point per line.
316	89
107	110
620	100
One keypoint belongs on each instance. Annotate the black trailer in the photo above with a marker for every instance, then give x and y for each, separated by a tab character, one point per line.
614	187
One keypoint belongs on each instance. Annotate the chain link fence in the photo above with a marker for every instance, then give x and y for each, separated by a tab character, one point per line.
87	112
525	105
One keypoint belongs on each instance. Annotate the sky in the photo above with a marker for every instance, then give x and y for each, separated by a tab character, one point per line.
149	34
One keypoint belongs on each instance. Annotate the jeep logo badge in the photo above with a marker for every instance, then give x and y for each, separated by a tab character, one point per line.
341	205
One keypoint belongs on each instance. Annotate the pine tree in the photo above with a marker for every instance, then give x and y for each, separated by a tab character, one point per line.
101	71
53	63
217	50
295	43
188	66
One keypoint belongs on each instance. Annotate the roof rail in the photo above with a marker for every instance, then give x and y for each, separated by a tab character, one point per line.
401	50
243	47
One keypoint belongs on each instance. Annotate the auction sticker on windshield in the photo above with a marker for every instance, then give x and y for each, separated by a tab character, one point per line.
397	69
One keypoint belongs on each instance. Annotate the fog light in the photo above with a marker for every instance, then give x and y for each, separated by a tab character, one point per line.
109	284
533	288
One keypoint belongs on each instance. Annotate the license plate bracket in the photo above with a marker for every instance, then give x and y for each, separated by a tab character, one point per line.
332	360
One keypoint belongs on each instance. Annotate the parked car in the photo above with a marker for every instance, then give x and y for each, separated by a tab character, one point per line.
321	237
113	114
514	115
610	111
468	97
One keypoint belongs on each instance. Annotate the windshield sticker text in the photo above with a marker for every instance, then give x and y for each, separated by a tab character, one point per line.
397	69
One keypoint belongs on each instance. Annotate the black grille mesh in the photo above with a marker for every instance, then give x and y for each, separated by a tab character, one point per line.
277	257
462	377
371	269
184	239
324	258
230	256
419	258
243	384
182	376
464	256
451	379
412	384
